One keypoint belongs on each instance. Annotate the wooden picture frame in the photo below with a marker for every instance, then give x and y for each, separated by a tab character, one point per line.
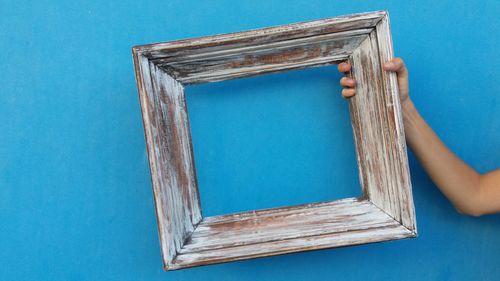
384	212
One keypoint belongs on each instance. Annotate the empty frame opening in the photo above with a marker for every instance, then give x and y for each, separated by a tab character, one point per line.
271	141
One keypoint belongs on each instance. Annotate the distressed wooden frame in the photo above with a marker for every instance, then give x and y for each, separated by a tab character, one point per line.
384	212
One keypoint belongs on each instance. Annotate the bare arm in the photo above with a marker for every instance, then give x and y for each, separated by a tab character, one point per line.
470	192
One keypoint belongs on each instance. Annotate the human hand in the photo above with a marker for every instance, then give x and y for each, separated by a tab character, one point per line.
395	65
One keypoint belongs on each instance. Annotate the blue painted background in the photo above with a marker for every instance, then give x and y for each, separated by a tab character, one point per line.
75	191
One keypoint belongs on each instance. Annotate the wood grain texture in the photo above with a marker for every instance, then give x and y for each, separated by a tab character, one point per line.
259	36
266	58
385	211
285	230
170	153
378	132
402	193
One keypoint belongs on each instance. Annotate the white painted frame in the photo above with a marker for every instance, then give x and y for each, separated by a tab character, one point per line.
384	212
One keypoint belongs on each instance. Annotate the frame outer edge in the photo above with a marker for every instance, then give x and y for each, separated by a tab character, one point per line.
141	87
147	49
386	52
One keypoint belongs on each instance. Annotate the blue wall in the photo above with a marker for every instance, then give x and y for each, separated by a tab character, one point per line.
75	191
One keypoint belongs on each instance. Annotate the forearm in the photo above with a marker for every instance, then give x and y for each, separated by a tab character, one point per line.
458	181
470	192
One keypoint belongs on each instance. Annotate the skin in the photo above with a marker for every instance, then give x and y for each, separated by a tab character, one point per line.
470	192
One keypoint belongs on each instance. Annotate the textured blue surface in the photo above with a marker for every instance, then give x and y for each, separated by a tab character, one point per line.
75	191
